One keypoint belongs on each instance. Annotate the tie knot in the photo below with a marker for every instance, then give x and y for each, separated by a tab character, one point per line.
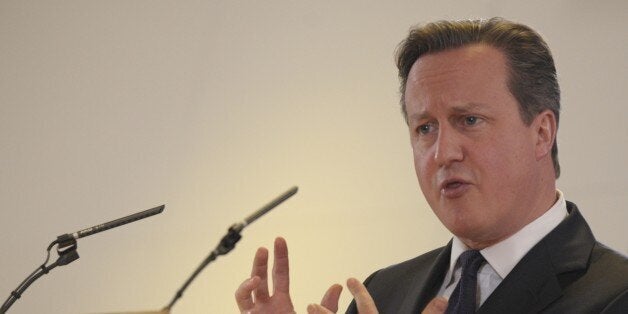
471	261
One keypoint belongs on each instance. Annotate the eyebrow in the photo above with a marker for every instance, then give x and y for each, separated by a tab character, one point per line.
463	108
467	107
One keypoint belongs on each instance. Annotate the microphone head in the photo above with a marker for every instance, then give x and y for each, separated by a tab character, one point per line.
280	199
119	222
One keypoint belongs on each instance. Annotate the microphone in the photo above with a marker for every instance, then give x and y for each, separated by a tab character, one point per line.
66	248
68	238
262	211
116	223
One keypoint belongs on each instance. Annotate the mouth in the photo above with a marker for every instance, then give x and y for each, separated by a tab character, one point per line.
453	188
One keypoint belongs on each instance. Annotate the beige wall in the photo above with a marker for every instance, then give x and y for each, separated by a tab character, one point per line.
216	107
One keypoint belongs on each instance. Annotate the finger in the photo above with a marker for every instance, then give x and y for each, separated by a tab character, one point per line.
243	294
436	306
330	299
363	299
317	309
260	269
281	270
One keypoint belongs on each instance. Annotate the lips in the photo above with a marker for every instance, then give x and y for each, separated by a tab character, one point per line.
453	187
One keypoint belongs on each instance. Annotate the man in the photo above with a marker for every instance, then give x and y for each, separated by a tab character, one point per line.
482	104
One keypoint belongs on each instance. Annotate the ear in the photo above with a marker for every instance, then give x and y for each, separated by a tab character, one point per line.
544	126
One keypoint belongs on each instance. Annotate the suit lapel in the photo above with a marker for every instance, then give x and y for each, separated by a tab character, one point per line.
530	286
537	280
421	292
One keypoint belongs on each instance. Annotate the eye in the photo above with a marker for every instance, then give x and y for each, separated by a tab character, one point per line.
424	129
470	120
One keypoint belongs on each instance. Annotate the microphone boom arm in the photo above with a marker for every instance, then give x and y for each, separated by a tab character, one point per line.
228	242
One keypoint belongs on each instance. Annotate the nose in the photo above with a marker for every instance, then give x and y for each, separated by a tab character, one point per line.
448	148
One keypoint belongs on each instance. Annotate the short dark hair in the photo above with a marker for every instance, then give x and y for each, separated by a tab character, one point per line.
532	76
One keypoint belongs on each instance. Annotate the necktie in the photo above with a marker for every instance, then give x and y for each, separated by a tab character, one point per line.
463	299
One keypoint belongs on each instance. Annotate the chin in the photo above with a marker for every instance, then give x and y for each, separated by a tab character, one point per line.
461	230
462	226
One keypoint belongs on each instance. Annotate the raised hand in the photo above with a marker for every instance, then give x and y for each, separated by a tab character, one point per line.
253	296
328	305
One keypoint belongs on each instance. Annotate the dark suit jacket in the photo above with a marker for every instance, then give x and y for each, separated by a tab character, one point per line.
566	272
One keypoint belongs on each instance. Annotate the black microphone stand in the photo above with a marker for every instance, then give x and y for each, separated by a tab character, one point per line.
228	242
225	246
66	248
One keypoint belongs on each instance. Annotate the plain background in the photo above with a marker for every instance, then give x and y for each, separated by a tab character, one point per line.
216	107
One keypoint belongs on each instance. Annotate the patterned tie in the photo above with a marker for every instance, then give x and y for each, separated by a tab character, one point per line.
462	300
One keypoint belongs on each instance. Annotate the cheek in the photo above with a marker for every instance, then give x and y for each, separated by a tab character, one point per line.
423	167
503	163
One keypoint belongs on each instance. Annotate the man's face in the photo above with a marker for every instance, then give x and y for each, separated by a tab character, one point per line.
474	156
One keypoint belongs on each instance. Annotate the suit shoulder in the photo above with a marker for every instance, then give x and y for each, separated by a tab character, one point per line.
602	253
600	287
609	266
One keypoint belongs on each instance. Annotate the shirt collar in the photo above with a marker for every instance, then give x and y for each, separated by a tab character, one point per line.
503	256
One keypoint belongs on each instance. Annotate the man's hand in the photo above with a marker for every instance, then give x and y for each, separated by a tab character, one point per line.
329	304
253	296
364	301
436	306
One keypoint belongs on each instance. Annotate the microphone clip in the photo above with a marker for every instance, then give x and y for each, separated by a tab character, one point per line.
65	240
228	242
66	248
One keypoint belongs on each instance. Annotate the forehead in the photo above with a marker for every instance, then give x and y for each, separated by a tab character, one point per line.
474	74
468	61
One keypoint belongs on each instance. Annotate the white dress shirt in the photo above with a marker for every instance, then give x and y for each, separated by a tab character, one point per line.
502	257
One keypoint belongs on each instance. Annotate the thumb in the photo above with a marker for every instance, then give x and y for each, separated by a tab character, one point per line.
317	309
436	306
330	299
